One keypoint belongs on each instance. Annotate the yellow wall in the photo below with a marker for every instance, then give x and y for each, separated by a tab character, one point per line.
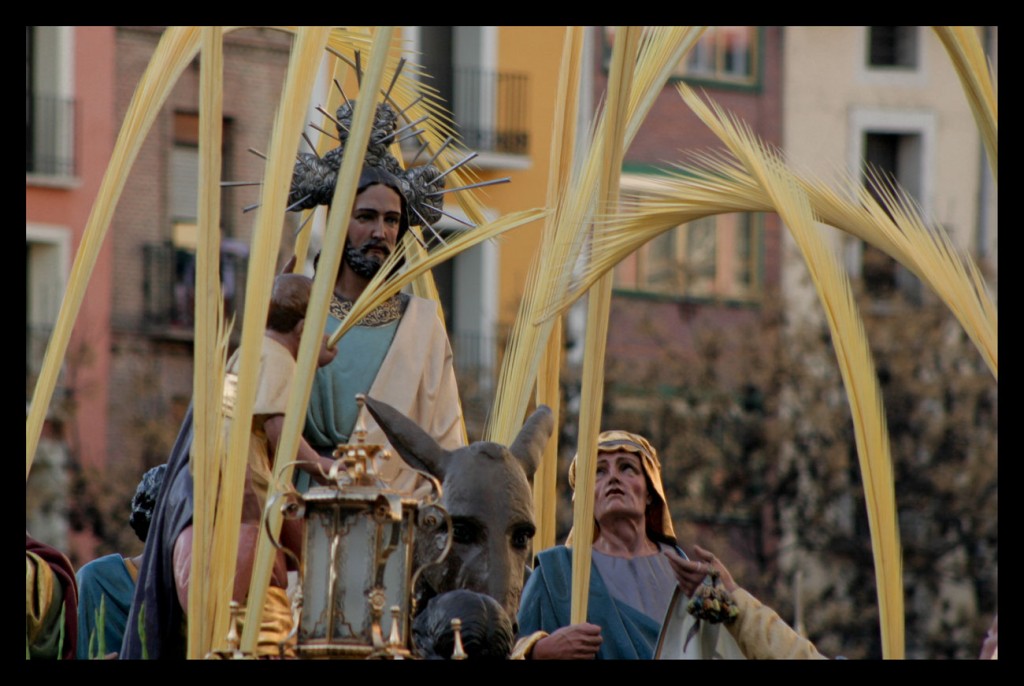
535	51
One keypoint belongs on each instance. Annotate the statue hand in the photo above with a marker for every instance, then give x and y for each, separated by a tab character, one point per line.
690	573
574	642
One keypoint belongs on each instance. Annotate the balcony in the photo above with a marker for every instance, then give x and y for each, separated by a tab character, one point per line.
489	109
169	286
50	125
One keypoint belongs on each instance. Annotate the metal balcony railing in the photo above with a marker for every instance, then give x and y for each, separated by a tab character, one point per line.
490	110
50	125
475	354
169	285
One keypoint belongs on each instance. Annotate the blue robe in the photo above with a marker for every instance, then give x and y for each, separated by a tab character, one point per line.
155	592
105	578
627	633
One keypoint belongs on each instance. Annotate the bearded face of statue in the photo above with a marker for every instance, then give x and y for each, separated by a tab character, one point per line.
373	230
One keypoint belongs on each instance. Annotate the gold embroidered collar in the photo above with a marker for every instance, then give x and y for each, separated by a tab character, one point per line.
385	313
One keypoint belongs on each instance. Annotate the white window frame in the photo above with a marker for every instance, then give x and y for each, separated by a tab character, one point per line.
54	54
900	77
51	269
864	120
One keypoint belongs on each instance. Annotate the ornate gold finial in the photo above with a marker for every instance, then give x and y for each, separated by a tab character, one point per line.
358	458
459	653
359	432
232	650
395	639
234	640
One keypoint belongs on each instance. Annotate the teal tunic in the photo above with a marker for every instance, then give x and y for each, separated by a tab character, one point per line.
332	402
105	579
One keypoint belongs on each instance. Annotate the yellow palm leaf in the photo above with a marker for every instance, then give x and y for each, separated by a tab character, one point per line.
717	183
563	140
976	76
330	258
611	145
859	378
207	383
567	231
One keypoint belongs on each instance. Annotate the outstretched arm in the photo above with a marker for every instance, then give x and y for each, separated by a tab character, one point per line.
758	630
308	459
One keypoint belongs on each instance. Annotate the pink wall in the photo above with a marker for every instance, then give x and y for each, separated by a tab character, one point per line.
88	356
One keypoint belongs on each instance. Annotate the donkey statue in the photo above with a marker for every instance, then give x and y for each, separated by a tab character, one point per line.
486	490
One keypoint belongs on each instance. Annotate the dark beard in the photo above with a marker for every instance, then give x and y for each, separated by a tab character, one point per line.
362	263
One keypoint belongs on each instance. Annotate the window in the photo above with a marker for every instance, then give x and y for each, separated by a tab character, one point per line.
898	156
712	258
892	47
724	54
47	252
49	107
170	266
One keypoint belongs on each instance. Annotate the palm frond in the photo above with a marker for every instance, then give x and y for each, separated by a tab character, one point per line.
662	49
302	67
895	226
611	144
330	258
567	233
976	75
545	480
858	372
207	383
717	183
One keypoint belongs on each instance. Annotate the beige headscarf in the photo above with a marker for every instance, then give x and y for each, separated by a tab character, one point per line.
659	519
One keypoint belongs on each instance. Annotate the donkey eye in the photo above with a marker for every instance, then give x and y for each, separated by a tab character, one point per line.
465	532
522	536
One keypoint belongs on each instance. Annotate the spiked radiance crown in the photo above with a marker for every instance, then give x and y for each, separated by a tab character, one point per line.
422	186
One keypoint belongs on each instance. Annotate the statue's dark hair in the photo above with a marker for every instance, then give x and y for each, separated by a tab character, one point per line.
486	631
144	500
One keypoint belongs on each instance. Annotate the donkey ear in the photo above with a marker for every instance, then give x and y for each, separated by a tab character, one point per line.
414	445
529	444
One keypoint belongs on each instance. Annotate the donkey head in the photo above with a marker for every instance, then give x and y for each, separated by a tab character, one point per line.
487	493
